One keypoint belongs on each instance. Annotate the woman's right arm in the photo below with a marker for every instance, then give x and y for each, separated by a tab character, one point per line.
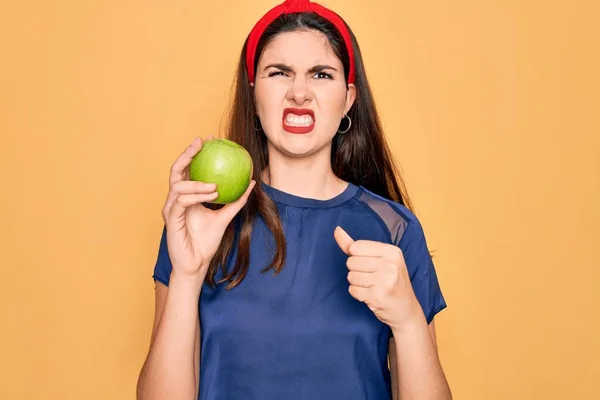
193	235
171	370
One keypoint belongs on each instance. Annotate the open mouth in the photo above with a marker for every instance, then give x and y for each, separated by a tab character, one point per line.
298	120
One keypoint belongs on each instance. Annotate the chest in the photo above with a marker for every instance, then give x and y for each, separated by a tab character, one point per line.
308	300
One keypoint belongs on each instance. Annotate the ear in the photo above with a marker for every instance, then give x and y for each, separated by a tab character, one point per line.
350	97
253	94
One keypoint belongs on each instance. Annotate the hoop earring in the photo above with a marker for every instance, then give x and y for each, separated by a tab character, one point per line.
349	124
256	119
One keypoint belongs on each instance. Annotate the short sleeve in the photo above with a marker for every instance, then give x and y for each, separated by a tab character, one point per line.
163	266
421	270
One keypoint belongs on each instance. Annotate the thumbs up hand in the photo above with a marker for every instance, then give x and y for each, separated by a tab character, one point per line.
379	278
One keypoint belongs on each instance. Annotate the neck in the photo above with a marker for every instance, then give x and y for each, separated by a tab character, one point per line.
310	177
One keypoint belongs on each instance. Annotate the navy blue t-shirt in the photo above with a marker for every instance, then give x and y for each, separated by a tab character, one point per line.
300	334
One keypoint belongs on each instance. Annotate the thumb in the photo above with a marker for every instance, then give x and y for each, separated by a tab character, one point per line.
343	239
229	211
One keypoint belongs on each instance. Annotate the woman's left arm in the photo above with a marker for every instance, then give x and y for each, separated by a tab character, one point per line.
378	276
415	368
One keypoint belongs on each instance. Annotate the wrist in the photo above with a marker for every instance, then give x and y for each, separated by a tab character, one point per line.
413	320
187	281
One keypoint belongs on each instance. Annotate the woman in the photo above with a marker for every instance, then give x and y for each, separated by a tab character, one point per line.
320	274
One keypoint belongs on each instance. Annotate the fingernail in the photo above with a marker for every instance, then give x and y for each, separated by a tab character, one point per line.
195	141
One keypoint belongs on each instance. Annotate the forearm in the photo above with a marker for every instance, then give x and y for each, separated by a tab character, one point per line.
419	372
169	370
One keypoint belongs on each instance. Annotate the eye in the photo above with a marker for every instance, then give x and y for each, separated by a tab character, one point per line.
323	75
275	73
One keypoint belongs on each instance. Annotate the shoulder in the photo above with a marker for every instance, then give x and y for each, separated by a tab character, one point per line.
397	219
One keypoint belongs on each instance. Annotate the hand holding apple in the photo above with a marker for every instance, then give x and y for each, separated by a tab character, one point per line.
194	232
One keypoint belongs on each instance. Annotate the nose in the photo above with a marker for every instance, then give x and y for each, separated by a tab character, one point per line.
299	91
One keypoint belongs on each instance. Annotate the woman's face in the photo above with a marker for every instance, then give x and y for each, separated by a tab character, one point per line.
301	93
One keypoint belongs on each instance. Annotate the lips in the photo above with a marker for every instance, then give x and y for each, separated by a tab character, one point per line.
302	121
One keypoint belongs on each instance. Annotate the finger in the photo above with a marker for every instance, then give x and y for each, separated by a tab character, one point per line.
370	248
190	199
361	279
166	210
359	293
184	159
229	211
183	201
363	264
193	187
343	239
185	187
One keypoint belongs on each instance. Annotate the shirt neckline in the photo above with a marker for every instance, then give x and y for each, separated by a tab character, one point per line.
297	201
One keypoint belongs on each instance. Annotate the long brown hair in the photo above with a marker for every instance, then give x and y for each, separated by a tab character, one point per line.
360	156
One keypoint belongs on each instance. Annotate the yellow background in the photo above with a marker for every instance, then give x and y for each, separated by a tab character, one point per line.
492	109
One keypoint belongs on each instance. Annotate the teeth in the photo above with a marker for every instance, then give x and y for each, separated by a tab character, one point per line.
298	120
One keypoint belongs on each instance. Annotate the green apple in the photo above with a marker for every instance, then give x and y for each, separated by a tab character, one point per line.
225	163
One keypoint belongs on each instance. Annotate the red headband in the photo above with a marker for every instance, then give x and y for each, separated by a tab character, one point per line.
289	7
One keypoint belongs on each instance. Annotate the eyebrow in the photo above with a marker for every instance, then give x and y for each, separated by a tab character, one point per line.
287	68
